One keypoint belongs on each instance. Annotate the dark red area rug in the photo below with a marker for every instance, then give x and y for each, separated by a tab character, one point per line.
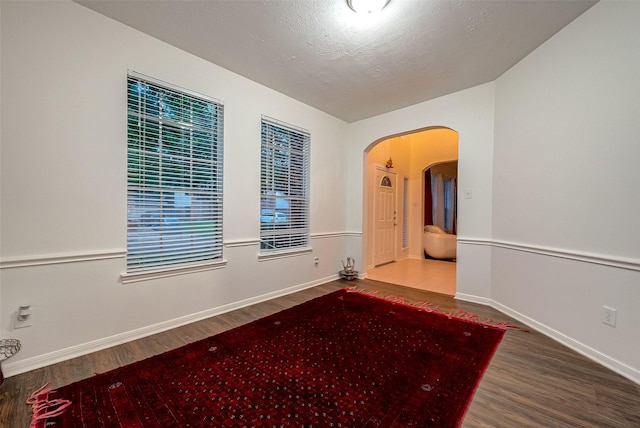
341	360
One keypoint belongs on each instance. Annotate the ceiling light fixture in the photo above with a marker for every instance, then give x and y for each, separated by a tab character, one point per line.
367	6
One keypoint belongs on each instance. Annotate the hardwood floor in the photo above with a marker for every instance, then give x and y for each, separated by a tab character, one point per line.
438	276
532	380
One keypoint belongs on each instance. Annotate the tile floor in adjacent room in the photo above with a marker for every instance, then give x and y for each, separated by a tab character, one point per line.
430	275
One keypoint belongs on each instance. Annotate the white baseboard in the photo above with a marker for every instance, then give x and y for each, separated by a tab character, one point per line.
22	366
473	299
11	369
597	356
611	363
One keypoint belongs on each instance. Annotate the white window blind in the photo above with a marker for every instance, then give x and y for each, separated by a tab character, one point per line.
284	187
174	170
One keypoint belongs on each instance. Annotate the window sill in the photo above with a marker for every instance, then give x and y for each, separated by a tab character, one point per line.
127	278
263	257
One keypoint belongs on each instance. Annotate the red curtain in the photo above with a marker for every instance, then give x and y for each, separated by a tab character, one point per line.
428	198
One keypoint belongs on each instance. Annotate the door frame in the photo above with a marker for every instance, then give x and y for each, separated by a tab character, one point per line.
385	171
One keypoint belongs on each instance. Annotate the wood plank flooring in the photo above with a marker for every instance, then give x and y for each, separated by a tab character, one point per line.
532	380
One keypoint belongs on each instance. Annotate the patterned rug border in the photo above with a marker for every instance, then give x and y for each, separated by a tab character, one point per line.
43	408
425	306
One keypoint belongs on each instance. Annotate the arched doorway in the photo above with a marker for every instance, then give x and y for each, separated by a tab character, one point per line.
392	231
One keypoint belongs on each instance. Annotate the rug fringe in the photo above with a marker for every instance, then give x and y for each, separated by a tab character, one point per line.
461	314
430	307
43	408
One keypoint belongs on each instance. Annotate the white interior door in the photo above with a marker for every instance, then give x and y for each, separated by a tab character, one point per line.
385	217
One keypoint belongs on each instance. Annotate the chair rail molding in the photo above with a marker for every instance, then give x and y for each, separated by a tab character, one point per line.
581	256
323	235
53	259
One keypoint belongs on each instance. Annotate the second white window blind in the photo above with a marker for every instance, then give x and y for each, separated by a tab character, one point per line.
284	187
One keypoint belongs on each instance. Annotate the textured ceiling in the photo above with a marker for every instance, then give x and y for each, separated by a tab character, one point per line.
323	54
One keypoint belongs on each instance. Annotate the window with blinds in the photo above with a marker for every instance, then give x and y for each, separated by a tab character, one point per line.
174	171
284	187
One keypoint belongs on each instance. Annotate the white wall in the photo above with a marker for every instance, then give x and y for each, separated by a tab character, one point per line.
548	235
565	185
470	113
63	218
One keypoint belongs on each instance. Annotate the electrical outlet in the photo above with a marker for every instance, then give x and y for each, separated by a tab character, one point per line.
316	261
23	317
609	316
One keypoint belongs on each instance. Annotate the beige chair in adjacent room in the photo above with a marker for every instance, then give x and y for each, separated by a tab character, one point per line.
439	244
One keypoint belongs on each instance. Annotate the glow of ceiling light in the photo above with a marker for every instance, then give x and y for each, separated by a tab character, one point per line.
367	6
